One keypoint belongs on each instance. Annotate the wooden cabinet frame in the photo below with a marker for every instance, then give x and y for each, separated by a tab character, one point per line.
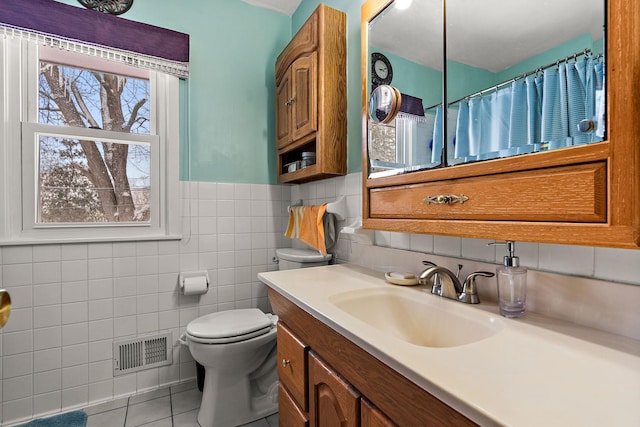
311	98
614	201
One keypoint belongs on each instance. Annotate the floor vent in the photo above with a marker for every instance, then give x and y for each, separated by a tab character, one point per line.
141	353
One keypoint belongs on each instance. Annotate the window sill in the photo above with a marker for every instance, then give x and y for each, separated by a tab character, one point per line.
57	241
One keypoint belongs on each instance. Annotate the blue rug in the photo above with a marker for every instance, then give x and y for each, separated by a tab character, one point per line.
69	419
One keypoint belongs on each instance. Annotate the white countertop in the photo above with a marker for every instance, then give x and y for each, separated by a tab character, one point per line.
535	371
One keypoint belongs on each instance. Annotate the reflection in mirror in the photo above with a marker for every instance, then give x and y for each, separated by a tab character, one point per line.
521	82
384	104
410	38
521	77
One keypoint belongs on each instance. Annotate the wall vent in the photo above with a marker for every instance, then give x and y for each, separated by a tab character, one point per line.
142	353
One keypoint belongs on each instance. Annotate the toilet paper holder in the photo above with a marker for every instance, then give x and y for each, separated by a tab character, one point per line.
183	277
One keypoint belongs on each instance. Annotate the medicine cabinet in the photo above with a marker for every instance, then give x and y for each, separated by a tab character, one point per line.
524	126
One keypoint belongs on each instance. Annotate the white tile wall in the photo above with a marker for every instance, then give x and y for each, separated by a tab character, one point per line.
71	301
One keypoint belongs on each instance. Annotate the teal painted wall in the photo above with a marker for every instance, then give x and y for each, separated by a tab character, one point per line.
416	80
229	97
463	80
552	55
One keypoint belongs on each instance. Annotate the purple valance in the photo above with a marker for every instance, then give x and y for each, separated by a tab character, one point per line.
411	105
89	26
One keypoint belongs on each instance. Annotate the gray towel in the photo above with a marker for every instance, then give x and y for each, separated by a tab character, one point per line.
330	233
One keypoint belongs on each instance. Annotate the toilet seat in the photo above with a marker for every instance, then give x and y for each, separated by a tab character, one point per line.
230	326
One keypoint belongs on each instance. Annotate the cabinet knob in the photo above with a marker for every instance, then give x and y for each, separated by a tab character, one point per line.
289	101
286	362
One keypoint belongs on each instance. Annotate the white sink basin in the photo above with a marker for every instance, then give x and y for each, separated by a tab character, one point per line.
418	318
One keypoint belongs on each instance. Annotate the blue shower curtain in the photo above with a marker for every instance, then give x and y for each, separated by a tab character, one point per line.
539	112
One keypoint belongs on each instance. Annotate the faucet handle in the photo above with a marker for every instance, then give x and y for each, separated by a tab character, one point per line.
469	292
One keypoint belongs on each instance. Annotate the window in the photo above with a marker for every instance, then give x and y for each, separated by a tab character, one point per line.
93	144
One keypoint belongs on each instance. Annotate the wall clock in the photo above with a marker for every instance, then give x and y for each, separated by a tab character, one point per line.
113	7
381	71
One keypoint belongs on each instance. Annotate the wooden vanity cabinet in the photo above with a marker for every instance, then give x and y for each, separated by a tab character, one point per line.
581	195
371	416
311	98
289	413
346	385
333	401
292	366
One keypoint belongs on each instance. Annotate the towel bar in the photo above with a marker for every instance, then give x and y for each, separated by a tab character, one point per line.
338	208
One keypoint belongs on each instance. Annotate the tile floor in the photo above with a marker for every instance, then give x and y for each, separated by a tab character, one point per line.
175	406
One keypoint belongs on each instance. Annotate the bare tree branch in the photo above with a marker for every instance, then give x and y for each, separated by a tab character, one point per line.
134	115
83	106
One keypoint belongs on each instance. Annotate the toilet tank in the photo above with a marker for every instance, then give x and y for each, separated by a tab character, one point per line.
290	258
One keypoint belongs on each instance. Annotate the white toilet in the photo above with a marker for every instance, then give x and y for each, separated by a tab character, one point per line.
238	351
290	258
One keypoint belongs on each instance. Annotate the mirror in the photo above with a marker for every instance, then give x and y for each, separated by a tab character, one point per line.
519	77
534	82
406	38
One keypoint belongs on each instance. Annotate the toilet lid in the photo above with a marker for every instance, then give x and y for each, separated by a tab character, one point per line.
230	326
301	255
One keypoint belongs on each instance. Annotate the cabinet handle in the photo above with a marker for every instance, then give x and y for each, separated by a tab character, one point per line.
289	101
445	199
286	362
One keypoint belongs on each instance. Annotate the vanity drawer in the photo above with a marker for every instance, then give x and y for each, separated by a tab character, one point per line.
292	365
563	194
290	414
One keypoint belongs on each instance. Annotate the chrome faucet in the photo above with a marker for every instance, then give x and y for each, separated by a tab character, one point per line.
446	284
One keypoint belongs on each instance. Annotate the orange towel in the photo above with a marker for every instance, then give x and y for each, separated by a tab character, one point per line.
305	223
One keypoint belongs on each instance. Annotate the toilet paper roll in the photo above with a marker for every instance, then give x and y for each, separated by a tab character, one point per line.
196	285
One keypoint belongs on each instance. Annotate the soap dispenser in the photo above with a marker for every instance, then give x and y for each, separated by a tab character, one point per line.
512	283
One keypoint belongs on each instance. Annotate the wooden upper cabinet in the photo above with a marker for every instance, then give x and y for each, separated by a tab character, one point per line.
296	87
311	98
304	96
579	195
283	111
296	108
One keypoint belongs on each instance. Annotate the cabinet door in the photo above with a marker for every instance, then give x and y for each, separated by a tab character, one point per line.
333	401
372	417
289	414
304	96
283	111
